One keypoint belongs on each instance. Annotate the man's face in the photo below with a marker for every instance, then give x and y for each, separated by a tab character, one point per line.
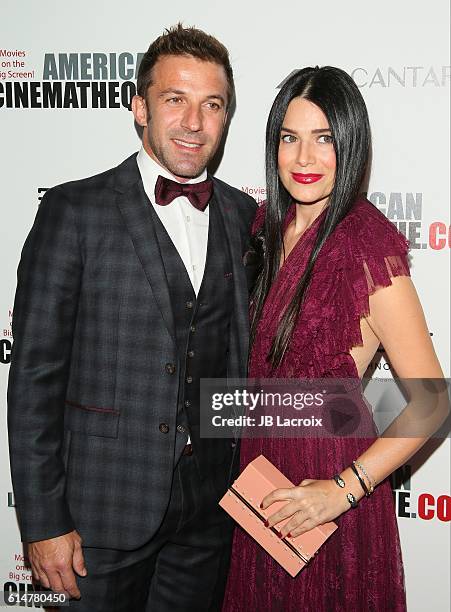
184	114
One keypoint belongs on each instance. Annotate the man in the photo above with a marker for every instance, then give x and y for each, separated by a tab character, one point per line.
130	289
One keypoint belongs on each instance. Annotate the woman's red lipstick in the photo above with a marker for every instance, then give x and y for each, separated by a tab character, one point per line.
306	179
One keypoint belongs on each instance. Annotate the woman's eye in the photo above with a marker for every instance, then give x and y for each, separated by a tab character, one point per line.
288	138
326	139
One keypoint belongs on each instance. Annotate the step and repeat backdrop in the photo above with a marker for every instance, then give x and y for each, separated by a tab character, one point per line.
67	75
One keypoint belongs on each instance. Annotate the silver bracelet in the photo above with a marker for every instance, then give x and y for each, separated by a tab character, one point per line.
371	481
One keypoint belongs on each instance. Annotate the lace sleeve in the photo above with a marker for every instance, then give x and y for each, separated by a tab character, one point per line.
379	274
379	253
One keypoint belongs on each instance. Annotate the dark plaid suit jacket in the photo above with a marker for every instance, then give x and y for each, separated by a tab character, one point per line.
89	387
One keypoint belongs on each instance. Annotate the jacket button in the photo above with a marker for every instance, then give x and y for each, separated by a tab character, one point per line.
187	403
189	304
189	379
170	368
190	353
163	427
181	429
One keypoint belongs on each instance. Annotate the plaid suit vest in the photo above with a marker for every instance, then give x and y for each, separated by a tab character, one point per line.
201	326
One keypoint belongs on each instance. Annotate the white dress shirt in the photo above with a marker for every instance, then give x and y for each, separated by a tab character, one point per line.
187	226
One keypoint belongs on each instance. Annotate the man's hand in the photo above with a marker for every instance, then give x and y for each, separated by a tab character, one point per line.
54	562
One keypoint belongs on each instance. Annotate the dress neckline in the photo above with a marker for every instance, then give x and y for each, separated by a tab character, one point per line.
289	216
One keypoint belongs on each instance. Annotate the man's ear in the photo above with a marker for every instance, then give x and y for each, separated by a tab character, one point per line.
139	110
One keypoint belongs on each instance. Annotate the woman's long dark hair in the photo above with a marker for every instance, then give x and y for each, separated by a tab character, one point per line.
336	94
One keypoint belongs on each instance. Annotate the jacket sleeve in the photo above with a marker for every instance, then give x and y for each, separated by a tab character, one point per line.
44	314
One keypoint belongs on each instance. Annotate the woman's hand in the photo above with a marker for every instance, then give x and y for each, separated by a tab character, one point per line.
312	503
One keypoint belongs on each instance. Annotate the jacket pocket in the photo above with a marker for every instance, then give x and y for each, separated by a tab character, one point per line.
91	420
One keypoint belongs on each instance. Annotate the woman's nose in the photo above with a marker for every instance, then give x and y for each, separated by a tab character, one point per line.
305	154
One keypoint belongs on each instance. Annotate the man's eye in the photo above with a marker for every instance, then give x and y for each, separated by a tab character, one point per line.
174	100
213	105
288	138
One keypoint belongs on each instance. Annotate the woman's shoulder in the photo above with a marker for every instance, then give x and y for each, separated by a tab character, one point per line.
367	216
370	250
368	232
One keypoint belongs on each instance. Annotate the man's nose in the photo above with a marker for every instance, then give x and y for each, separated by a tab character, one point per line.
192	118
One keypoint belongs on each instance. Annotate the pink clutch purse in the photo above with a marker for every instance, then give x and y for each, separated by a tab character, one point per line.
242	502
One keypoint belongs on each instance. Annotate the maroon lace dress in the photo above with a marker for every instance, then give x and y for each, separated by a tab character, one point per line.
359	568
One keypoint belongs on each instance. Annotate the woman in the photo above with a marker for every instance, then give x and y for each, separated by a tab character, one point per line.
334	284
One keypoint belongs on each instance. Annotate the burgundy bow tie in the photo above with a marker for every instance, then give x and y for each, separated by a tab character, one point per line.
198	194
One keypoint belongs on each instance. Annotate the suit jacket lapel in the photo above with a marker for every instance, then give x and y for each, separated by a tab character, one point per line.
134	206
229	214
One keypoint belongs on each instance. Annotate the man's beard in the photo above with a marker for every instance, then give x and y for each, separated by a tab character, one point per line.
177	164
181	168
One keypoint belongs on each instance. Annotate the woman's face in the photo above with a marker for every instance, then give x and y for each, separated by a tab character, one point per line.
306	153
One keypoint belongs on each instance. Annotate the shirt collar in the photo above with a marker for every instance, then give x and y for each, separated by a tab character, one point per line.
150	169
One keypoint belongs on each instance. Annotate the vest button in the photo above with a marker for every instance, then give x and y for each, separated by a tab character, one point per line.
163	427
193	329
187	403
190	353
189	304
189	379
170	368
181	429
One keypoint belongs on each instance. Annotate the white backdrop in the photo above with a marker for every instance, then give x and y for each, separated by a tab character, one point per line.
398	53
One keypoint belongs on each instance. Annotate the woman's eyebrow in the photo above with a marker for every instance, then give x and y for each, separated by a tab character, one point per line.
317	131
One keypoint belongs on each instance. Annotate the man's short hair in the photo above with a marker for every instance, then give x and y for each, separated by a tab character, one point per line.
180	40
